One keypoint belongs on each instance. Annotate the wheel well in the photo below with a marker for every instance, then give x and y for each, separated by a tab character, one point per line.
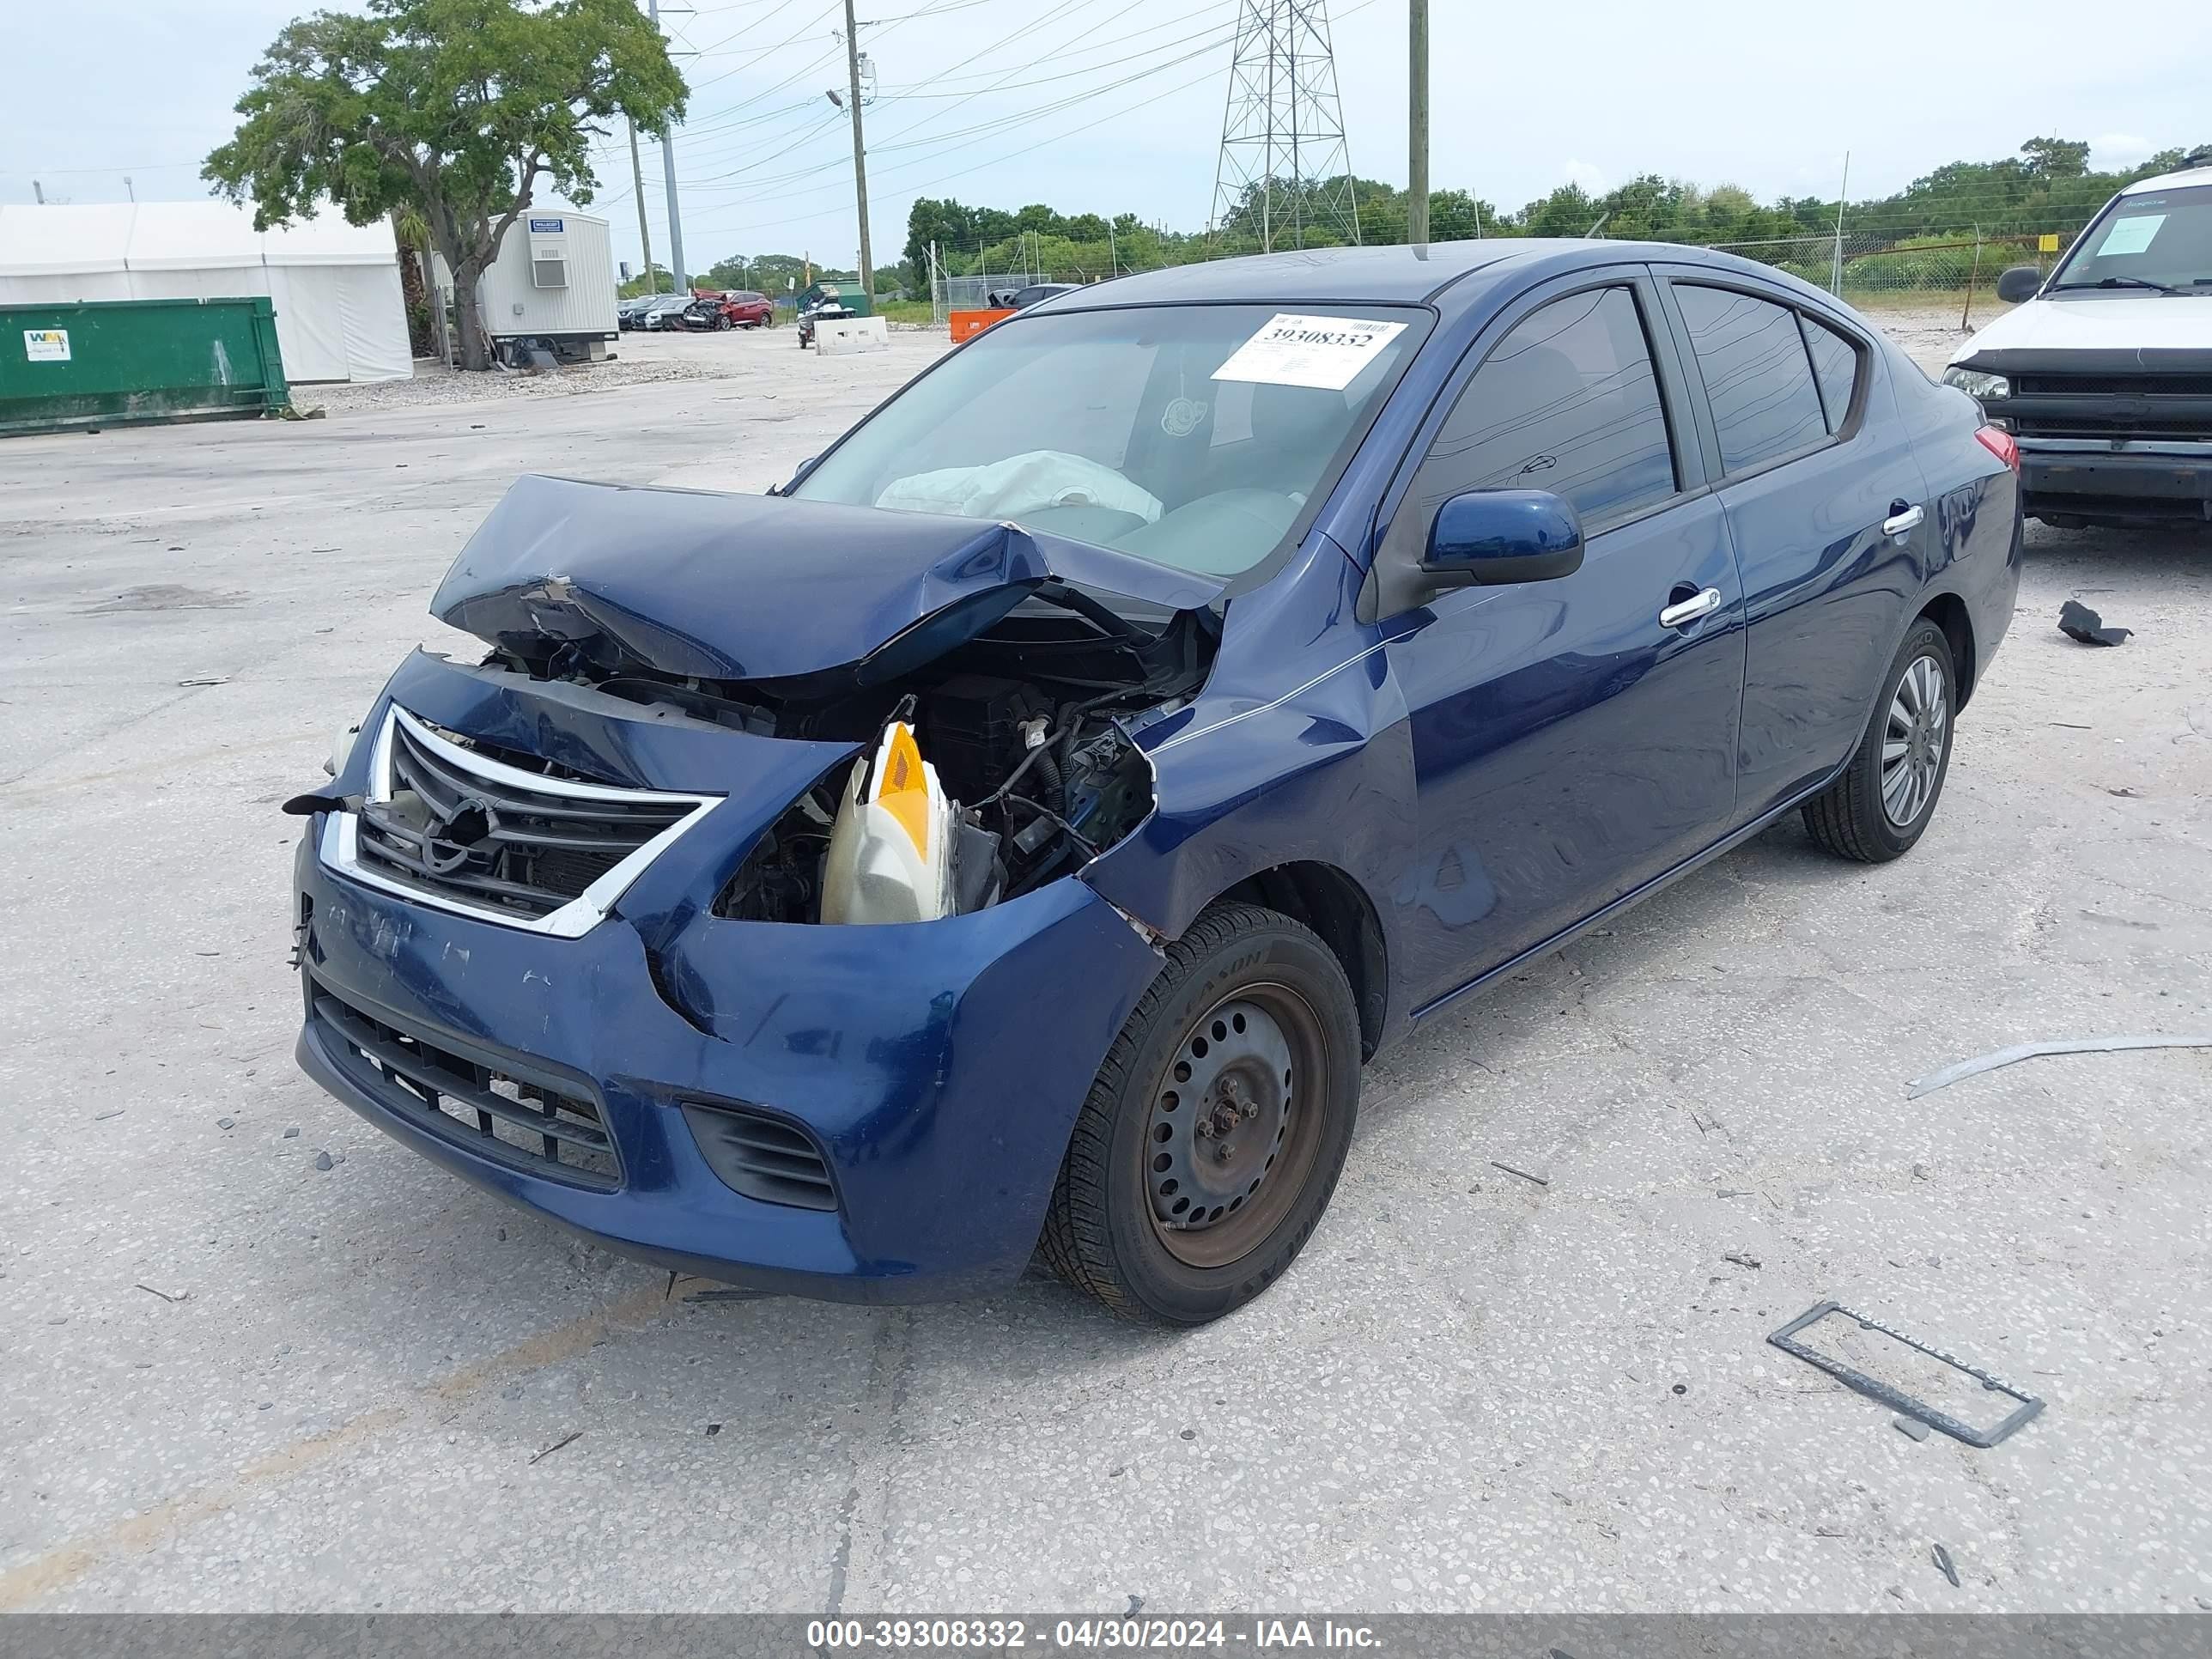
1948	612
1330	903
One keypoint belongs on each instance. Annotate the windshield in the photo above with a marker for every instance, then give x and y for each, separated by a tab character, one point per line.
1190	435
2162	238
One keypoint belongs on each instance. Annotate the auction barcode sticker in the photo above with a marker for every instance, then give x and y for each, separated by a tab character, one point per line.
1325	353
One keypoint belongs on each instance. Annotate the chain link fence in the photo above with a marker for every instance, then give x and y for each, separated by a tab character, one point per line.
1873	267
1872	270
951	294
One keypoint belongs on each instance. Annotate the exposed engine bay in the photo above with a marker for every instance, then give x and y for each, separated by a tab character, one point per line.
1023	731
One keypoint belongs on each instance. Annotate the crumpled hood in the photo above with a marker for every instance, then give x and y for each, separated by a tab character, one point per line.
2098	322
756	587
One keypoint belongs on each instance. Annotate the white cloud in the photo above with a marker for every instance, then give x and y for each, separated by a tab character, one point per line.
1589	178
2119	149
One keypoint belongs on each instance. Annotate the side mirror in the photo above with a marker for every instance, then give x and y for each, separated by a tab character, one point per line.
1487	536
2019	284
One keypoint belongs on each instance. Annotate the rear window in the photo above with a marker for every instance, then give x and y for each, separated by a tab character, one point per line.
1757	375
1836	367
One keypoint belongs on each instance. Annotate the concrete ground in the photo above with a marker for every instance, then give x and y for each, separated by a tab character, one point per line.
233	1380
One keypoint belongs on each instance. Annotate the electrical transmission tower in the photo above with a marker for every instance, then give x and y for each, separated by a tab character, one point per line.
1284	170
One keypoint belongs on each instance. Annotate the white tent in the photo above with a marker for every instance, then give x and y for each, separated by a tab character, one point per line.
336	286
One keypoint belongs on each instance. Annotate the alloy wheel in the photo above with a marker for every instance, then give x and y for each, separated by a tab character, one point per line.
1914	737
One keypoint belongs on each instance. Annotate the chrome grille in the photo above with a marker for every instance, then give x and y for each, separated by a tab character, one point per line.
446	823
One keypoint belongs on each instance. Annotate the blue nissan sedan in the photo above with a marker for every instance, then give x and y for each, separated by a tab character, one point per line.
1011	838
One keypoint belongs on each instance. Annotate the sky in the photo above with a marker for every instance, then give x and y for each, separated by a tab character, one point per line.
1117	106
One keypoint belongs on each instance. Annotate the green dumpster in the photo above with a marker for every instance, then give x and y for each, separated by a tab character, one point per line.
846	294
104	362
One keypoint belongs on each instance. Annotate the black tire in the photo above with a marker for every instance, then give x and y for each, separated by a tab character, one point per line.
1856	817
1106	1232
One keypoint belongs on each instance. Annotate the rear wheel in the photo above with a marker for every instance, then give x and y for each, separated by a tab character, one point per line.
1217	1129
1883	801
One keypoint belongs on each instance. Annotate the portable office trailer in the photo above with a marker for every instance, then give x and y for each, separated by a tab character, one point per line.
552	284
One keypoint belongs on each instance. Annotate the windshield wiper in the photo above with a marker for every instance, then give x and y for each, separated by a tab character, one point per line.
2115	281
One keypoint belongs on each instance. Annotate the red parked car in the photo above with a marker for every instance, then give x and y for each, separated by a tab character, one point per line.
740	308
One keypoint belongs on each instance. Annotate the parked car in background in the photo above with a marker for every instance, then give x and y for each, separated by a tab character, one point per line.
747	309
628	312
1021	299
704	314
665	314
1213	677
2104	373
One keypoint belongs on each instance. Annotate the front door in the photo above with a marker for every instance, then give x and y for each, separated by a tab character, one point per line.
1569	744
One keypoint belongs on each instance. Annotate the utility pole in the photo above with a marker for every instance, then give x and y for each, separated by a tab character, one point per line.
1843	191
1417	124
130	189
637	189
860	152
668	172
40	192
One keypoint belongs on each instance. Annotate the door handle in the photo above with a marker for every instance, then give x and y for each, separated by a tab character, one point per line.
1697	606
1903	518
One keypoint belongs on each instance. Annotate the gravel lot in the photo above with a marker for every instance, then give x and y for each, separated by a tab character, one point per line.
234	1379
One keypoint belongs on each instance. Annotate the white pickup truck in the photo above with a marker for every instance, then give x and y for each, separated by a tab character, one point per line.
2103	372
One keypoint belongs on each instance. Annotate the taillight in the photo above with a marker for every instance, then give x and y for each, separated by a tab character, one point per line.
1999	443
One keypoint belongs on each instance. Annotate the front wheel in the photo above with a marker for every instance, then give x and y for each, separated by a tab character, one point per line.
1213	1138
1883	801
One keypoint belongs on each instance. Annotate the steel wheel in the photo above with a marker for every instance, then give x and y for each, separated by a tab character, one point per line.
1226	1146
1914	737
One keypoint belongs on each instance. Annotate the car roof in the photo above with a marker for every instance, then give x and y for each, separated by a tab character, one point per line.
1390	274
2169	181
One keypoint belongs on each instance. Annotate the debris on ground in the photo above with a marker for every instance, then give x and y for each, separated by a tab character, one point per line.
206	679
1896	1399
1910	1428
1739	1259
1941	1557
164	1295
2019	1051
714	1429
2077	622
569	1438
323	1160
225	1122
292	1133
102	1117
1540	1180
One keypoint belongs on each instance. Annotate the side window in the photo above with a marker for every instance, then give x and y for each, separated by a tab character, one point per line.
1758	377
1836	366
1567	401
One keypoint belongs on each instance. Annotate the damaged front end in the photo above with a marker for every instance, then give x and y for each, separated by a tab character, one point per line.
582	893
1018	666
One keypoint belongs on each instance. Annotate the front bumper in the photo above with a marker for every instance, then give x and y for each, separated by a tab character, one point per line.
2099	481
937	1067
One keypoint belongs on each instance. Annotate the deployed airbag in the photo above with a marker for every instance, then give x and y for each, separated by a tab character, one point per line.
1021	483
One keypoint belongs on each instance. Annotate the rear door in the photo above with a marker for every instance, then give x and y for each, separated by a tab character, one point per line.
1569	746
1827	510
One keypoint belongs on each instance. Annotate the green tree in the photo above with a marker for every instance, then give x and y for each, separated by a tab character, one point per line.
2056	158
456	108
